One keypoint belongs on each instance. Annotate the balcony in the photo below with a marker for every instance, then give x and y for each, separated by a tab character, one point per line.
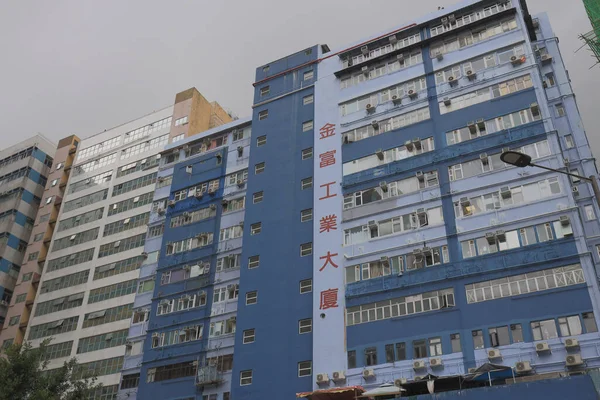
23	325
208	375
36	279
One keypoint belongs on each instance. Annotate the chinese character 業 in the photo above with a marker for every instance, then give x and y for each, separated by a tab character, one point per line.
328	223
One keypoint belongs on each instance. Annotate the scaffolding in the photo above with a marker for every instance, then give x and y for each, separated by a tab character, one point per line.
592	38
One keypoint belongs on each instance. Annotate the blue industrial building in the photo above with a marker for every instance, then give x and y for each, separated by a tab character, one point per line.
384	239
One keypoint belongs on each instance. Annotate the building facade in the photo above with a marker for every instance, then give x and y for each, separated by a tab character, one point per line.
24	171
184	320
90	277
44	216
425	253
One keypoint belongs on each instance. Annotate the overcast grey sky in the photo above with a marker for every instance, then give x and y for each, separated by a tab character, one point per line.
82	66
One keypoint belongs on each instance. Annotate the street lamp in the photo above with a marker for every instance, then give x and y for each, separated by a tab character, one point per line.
523	160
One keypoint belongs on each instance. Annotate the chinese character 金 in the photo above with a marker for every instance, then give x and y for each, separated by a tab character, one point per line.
327	130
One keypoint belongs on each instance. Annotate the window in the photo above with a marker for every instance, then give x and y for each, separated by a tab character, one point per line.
130	381
122	245
172	371
478	339
259	168
400	351
54	182
435	347
261	140
589	322
550	81
14	320
21	298
351	359
27	277
306	215
455	342
251	297
65	281
262	115
48	200
308	99
70	260
560	110
58	350
570	326
419	349
525	283
246	377
307	153
499	336
253	262
305	326
389	353
544	330
112	291
257	197
308	75
305	249
102	341
226	396
122	266
516	332
265	90
569	141
307	126
305	286
33	256
38	237
256	228
307	183
249	336
181	121
266	69
147	130
370	356
589	212
134	184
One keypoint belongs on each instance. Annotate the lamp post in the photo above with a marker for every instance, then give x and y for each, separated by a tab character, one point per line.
523	160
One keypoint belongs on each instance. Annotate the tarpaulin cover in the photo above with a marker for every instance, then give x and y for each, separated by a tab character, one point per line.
343	393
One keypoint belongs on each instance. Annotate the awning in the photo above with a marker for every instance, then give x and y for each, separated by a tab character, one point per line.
343	393
490	372
387	389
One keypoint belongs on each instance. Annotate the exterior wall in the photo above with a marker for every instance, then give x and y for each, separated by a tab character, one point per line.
35	256
215	163
29	160
275	317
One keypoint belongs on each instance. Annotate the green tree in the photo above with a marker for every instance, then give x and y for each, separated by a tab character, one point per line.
23	376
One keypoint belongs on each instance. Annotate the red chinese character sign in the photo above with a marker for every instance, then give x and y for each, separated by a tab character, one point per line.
329	352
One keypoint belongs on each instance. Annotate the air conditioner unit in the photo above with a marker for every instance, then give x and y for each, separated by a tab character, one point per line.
575	191
464	201
368	374
541	347
211	191
339	376
400	58
399	382
383	185
370	108
490	237
161	179
417	143
472	128
418	378
419	364
471	75
364	50
412	94
472	370
240	183
144	254
452	81
484	158
393	39
480	124
322	378
189	169
447	101
451	18
439	56
574	360
240	150
436	362
501	235
213	207
564	220
493	354
409	145
372	223
445	21
420	176
523	366
375	124
505	192
186	214
396	99
365	70
546	58
517	60
571	343
171	203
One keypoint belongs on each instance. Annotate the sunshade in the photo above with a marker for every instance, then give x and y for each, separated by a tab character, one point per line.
384	390
341	393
